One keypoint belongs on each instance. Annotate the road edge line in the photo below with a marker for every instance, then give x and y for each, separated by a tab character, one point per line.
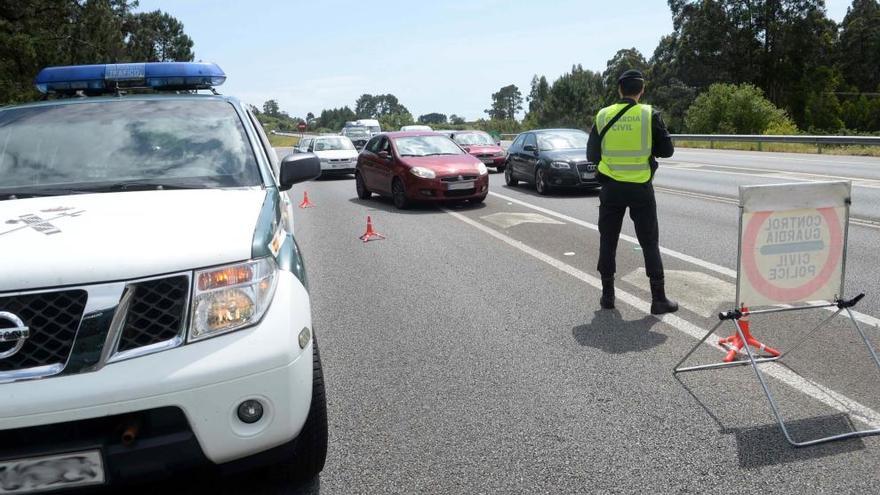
830	398
864	318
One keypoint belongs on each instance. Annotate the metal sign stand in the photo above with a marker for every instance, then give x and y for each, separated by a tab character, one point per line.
753	360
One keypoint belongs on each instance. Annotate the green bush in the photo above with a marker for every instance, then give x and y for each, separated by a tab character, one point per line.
736	109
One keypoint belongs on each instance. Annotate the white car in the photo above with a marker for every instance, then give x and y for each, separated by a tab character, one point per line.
337	153
416	127
154	311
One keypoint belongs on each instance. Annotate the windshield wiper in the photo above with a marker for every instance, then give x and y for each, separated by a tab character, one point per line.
142	186
13	194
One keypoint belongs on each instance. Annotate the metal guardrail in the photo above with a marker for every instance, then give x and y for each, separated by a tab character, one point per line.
817	141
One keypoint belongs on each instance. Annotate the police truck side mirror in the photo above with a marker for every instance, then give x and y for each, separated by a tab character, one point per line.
296	168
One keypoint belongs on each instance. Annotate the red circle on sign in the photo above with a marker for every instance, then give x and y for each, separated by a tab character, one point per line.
301	126
783	294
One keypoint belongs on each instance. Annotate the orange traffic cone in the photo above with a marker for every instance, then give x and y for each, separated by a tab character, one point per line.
305	202
370	234
734	343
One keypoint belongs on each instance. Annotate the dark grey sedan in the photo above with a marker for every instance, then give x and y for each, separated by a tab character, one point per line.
550	158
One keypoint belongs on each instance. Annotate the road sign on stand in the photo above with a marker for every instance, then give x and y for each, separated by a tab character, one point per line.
792	251
792	243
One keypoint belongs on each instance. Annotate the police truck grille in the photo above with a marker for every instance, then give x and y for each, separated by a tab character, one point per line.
156	313
53	319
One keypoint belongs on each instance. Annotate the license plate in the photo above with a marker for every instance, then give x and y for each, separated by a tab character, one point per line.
458	186
341	165
37	474
488	161
587	176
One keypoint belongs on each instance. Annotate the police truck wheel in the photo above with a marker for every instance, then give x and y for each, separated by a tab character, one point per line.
398	194
311	444
541	182
509	178
363	192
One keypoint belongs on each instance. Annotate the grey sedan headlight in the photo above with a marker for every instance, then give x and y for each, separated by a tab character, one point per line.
560	165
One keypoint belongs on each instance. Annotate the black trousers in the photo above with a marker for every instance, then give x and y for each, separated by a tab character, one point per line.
614	199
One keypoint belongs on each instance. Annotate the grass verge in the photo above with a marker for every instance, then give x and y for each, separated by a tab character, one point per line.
283	141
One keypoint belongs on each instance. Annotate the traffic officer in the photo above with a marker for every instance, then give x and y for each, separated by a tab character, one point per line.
624	141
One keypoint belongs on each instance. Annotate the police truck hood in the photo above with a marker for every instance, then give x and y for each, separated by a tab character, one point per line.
87	238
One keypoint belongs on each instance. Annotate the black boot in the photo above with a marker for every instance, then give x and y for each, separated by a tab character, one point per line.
659	303
607	300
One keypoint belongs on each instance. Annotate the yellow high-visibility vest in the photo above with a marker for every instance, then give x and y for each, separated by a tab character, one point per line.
626	149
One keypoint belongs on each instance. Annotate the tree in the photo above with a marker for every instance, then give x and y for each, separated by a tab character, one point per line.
270	108
734	109
334	119
822	108
776	45
664	89
538	94
456	120
859	47
621	62
157	37
505	103
574	100
39	33
375	106
433	118
394	121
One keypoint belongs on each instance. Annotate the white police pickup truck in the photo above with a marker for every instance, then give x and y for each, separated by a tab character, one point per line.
154	311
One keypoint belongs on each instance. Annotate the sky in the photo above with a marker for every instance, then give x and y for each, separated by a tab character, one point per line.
435	56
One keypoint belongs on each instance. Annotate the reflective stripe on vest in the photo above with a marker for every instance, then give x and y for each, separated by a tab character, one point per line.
626	149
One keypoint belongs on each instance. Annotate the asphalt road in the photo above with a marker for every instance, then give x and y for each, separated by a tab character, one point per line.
467	353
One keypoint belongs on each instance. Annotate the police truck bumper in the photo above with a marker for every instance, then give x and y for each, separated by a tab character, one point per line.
180	405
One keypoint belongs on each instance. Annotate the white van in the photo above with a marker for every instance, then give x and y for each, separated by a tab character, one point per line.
371	124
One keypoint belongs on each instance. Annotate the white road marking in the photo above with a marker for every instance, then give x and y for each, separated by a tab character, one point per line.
569	253
771	155
774	174
675	254
870	320
506	220
812	389
698	291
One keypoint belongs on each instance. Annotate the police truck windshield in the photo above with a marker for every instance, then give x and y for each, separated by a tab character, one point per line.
93	145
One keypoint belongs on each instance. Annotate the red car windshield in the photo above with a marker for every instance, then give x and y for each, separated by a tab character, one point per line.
426	146
473	139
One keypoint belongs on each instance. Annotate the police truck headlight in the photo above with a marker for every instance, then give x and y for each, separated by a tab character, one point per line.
481	169
560	165
231	297
424	173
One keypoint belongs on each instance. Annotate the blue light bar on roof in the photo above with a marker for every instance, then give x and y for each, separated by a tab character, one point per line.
109	77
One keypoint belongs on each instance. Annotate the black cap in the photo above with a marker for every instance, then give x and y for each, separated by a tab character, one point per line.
630	74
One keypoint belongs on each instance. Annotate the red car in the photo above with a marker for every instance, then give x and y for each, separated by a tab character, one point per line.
481	145
419	166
